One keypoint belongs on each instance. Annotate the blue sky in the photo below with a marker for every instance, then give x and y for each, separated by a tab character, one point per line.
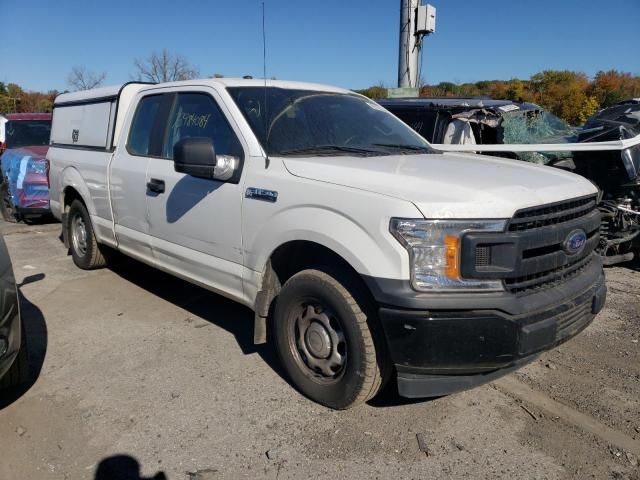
350	43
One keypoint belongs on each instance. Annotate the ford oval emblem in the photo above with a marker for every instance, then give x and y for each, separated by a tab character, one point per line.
575	242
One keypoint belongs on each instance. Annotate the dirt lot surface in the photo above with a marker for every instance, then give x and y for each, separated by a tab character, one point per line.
135	369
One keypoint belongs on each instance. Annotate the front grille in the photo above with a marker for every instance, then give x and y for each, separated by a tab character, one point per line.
535	254
552	214
547	279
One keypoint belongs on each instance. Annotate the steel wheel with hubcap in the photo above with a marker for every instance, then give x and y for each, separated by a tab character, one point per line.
79	234
320	341
324	339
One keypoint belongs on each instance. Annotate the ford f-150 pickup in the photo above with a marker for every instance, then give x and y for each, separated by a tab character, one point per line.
365	253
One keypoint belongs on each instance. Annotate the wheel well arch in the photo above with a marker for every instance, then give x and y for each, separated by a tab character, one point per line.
297	255
70	194
290	258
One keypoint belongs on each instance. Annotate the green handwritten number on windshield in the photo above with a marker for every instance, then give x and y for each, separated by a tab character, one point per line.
190	120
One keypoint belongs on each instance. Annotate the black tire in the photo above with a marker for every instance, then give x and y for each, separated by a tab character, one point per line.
86	252
338	366
18	373
7	208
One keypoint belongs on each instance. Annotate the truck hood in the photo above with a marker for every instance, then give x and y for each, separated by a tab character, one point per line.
449	185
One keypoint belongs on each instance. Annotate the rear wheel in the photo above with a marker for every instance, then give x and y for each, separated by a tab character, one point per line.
325	340
87	253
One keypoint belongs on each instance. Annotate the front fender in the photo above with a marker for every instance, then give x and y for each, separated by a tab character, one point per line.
358	231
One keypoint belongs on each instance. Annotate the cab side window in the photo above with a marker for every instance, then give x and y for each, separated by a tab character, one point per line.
197	115
147	128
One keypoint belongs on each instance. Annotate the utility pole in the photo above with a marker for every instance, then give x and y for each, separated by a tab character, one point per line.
416	21
409	52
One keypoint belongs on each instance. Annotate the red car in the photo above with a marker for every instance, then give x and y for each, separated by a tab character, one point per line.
24	189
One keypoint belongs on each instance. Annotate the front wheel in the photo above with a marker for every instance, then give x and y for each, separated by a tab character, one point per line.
325	341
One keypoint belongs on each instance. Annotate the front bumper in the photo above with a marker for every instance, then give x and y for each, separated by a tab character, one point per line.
446	347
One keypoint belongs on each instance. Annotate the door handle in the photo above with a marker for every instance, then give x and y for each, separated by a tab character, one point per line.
155	185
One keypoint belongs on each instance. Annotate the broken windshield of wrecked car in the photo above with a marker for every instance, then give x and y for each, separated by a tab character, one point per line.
535	127
315	123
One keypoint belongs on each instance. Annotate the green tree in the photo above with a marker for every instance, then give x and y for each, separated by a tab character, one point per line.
516	90
562	92
375	93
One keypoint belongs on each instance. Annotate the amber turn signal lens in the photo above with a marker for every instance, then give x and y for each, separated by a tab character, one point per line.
452	254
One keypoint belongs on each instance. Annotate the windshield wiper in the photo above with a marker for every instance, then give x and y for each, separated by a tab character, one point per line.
401	146
329	149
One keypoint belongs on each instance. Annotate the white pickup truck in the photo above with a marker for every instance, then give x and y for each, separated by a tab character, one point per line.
364	253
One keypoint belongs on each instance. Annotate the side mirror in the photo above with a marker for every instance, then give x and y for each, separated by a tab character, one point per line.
195	156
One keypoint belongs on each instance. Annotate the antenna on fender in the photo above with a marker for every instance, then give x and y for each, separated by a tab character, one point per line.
264	74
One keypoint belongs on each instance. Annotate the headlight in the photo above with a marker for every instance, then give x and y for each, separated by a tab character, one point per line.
434	251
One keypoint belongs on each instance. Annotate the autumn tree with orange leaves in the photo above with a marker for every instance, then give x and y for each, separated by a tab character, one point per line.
570	95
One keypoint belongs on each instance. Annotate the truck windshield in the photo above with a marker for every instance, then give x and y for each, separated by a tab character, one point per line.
292	122
27	133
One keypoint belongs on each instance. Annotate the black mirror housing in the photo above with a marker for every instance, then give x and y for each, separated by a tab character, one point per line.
195	156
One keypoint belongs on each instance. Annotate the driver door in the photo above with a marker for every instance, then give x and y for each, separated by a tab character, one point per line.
195	223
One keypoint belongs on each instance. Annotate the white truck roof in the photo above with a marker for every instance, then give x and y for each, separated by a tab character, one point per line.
94	118
96	94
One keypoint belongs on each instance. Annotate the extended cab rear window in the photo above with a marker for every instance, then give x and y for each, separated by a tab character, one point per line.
146	135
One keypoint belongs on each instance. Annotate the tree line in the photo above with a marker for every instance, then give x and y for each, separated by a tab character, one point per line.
572	96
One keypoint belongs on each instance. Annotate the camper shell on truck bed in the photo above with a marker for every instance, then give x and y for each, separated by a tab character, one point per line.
88	123
92	119
320	210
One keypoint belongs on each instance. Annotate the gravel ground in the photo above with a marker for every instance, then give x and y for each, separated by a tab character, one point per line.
139	373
